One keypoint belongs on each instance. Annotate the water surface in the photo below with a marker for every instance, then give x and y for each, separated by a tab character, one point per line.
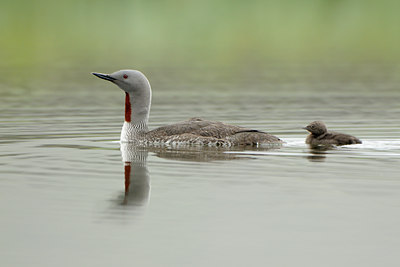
65	199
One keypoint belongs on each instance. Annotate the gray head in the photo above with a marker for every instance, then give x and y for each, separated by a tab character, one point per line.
138	96
316	128
131	81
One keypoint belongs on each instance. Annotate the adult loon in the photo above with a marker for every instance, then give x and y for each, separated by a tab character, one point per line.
194	131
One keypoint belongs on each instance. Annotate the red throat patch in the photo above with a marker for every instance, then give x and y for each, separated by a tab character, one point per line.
128	108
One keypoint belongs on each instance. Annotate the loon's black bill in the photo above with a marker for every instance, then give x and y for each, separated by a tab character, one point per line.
104	76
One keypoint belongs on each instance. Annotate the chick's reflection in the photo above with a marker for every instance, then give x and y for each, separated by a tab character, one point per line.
318	153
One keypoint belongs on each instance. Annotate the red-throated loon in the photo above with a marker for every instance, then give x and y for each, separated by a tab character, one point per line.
193	131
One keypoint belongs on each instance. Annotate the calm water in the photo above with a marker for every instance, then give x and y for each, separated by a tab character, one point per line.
66	200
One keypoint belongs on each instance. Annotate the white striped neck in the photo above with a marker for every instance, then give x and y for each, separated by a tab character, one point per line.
137	113
133	132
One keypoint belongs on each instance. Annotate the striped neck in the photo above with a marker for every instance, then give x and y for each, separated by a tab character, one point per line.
136	118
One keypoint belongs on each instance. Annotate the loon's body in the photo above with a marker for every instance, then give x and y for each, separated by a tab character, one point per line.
197	131
319	135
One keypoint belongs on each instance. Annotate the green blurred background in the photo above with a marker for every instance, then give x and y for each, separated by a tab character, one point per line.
130	33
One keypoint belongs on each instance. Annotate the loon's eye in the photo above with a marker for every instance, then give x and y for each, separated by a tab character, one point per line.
125	76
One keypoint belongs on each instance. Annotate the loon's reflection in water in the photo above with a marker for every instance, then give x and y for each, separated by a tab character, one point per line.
136	174
137	183
318	153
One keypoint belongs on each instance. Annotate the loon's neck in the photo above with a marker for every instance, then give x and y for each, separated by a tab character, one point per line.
137	111
319	135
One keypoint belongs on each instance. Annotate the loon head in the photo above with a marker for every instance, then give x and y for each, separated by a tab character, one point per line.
131	81
316	128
